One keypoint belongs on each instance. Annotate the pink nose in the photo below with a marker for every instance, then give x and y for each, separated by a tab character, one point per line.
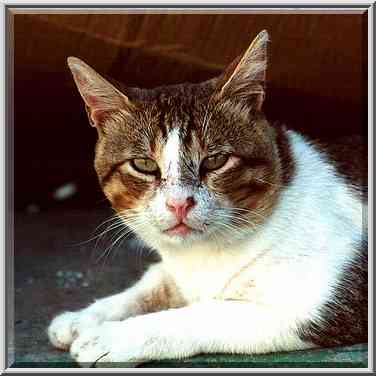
180	207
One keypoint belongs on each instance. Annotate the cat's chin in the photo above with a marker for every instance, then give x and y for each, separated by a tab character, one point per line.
180	236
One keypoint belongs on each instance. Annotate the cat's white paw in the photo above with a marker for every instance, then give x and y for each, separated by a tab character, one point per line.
110	342
159	335
66	327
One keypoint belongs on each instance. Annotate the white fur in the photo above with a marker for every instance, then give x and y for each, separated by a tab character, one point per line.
65	328
281	276
315	228
170	159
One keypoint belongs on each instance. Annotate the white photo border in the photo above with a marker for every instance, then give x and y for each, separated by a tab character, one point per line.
6	185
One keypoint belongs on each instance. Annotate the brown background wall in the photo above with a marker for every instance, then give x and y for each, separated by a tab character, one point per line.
317	78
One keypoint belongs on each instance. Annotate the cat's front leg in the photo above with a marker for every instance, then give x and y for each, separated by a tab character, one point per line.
211	327
135	340
155	291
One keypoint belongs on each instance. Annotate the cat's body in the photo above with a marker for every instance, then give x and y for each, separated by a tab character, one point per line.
263	246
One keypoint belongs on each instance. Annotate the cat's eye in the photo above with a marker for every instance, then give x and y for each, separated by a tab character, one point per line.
214	162
145	165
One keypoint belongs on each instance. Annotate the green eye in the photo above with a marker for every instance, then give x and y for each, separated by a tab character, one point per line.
214	162
145	165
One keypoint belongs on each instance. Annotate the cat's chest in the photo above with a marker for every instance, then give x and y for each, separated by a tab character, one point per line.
269	277
206	273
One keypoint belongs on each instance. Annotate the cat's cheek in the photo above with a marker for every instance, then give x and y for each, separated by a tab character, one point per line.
253	204
128	192
122	201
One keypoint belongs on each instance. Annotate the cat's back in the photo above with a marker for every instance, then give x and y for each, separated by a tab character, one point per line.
344	315
349	156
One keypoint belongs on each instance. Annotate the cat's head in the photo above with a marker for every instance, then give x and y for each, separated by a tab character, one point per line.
191	162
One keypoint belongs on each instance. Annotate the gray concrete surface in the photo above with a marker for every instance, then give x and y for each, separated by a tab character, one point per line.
57	269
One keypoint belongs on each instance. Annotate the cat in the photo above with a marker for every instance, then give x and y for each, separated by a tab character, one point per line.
262	236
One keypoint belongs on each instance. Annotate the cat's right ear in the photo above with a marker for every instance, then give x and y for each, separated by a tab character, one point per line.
244	79
99	95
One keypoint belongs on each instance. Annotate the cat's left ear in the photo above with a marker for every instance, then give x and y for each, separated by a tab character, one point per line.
99	95
244	79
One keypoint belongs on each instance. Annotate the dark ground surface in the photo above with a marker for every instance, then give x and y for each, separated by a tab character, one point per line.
56	271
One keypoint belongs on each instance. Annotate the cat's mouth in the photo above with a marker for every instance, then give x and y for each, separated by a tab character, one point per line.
180	229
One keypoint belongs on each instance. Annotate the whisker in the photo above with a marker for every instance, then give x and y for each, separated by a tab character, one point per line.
130	224
253	212
238	220
267	182
101	233
119	238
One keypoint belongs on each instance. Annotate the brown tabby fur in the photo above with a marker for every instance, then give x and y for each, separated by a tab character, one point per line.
222	115
127	135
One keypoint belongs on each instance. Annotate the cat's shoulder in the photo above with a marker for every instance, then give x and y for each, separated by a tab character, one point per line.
347	155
